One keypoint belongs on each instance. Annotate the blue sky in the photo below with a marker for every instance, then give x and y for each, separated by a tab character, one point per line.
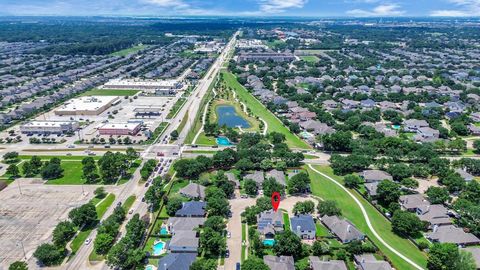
320	8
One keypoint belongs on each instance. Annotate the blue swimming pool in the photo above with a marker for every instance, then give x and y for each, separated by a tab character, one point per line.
396	126
224	141
163	231
150	267
158	248
269	242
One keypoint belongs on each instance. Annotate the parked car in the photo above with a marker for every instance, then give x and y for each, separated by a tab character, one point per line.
87	241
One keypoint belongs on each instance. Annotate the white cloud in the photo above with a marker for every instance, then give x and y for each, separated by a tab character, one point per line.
465	8
180	4
378	11
278	6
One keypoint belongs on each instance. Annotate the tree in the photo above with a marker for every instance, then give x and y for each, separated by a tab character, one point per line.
476	146
49	255
18	265
399	171
174	135
250	187
306	207
253	263
225	158
204	264
131	153
409	183
437	195
10	157
36	164
352	181
13	171
244	165
84	215
320	248
388	192
250	214
174	204
63	232
264	203
100	192
212	242
453	181
288	243
90	170
299	183
446	256
28	169
216	223
218	205
103	242
271	185
52	169
338	141
406	224
329	208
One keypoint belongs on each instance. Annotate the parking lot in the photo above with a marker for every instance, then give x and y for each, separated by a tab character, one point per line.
29	218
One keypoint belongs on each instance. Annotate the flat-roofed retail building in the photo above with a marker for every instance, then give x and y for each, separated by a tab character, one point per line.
91	105
49	127
111	129
152	85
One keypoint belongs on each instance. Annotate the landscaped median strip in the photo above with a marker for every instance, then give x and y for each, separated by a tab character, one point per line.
368	221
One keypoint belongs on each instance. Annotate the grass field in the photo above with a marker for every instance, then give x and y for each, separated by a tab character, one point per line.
104	204
176	107
310	58
257	108
128	51
328	190
110	92
205	141
72	174
129	202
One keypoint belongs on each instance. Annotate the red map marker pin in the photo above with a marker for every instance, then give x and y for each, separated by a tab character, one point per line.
275	200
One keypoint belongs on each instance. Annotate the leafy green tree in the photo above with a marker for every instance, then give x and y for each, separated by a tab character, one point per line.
85	215
63	232
409	183
446	256
174	204
288	243
131	153
406	224
352	181
18	265
49	254
399	171
264	203
271	185
204	264
329	208
90	170
299	183
212	242
103	242
218	205
250	187
388	192
36	164
10	157
28	169
453	181
100	192
476	146
253	263
320	248
250	214
225	158
437	195
306	207
244	165
52	169
13	171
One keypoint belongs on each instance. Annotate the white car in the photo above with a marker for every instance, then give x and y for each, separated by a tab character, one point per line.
88	241
229	235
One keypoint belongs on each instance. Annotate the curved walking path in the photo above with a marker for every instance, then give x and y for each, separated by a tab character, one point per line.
367	219
204	117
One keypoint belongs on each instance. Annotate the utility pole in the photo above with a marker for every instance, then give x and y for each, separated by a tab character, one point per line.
19	188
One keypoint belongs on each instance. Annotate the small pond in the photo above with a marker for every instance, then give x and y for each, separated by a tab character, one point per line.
229	117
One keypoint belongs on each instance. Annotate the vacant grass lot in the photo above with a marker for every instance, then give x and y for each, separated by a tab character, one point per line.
310	58
328	190
110	92
257	108
128	51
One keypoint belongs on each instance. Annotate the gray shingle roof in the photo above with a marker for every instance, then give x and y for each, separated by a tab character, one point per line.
192	209
279	263
304	222
452	234
317	264
193	190
176	261
342	228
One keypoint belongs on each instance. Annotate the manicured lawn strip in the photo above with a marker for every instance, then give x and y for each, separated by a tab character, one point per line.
203	140
257	108
72	174
286	221
176	107
183	123
48	157
82	235
128	51
330	191
321	231
129	202
206	152
110	92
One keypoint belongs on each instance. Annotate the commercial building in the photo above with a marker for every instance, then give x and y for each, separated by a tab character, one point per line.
159	86
275	57
111	129
49	127
91	105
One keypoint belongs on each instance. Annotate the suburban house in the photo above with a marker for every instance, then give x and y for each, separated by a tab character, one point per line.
369	262
343	229
375	176
465	175
256	176
193	191
184	242
278	175
426	134
192	209
435	215
269	223
372	188
316	127
317	264
232	178
176	261
303	226
413	125
279	263
452	234
412	201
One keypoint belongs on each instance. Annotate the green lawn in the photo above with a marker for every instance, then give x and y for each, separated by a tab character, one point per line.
205	140
104	204
72	174
128	51
197	124
310	58
110	92
176	107
321	231
244	237
328	190
286	221
129	202
257	108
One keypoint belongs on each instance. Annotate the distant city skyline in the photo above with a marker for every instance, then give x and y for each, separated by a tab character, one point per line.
312	8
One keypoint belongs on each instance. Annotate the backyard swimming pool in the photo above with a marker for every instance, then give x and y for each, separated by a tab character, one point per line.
158	248
163	231
269	242
229	117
